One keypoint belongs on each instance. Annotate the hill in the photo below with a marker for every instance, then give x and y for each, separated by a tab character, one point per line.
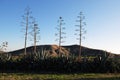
52	50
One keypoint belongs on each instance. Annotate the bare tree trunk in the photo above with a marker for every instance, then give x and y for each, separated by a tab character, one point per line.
26	18
80	33
25	51
60	35
35	33
80	39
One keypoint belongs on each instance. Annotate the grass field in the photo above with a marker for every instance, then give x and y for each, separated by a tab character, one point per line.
26	76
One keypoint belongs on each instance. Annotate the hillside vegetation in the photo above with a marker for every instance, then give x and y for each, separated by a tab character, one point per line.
46	60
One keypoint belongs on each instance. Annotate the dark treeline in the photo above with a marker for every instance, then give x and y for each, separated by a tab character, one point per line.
59	65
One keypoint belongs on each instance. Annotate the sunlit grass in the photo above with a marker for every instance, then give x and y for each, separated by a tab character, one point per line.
28	76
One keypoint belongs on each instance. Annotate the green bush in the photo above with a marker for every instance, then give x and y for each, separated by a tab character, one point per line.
58	65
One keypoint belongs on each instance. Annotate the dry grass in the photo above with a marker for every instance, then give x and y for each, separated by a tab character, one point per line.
26	76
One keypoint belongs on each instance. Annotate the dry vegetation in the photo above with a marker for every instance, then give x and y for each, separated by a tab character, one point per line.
28	76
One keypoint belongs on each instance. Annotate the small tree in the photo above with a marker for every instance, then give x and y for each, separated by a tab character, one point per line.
26	24
80	31
4	46
60	34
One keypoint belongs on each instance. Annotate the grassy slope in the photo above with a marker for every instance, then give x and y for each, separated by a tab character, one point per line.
25	76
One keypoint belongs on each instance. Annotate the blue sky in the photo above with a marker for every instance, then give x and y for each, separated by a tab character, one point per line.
102	19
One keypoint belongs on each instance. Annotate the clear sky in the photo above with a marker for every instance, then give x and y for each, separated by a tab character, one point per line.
102	19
